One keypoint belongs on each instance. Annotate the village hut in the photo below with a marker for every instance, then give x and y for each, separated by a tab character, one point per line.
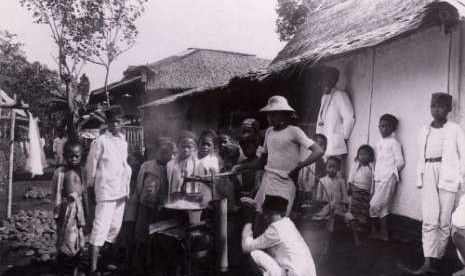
392	55
171	76
192	69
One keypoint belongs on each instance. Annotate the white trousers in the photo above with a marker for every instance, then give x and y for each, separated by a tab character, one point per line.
267	264
107	222
437	206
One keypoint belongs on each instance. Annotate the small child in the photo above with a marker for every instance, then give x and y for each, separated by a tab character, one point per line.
229	187
361	185
225	137
150	194
69	210
389	162
280	250
187	164
310	176
208	145
332	189
249	180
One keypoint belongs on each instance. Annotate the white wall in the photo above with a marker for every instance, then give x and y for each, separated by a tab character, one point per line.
406	73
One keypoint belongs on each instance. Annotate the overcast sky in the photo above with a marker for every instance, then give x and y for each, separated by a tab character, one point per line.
167	27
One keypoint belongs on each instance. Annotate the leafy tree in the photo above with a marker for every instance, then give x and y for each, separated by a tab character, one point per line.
33	83
96	31
113	31
291	15
61	18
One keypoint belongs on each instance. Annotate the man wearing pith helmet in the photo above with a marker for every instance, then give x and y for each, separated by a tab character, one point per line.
281	153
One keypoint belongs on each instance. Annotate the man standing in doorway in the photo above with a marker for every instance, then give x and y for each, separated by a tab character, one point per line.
336	115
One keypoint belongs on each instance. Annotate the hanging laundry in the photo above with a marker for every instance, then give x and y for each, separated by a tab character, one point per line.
34	162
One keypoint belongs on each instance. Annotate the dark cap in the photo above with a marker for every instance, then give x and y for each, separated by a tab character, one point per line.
187	134
442	99
275	203
114	111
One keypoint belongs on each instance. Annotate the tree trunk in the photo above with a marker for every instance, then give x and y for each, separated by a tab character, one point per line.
107	92
72	133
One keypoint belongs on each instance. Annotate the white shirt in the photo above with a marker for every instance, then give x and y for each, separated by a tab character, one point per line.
58	145
389	158
335	121
107	168
283	147
434	143
210	162
285	244
452	170
361	176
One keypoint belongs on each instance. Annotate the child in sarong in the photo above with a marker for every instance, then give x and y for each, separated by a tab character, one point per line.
69	210
361	185
389	162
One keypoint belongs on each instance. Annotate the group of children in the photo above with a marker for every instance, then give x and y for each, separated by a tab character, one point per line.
264	180
364	199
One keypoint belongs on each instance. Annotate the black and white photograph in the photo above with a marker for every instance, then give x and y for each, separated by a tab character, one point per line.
232	137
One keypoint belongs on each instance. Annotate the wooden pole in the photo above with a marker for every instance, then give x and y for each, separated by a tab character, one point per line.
221	234
11	160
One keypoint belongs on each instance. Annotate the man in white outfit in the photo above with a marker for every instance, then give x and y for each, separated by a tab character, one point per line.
440	172
336	115
109	174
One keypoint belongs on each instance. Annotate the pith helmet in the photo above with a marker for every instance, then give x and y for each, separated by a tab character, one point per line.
277	103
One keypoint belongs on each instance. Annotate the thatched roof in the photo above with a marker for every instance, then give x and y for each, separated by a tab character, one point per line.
198	67
116	84
356	24
341	27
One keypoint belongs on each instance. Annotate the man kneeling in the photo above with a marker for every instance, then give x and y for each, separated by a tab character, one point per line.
280	250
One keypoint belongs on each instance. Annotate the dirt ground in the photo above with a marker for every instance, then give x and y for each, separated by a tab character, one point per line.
373	258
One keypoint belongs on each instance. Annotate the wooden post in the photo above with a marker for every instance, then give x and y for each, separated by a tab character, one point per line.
221	234
11	160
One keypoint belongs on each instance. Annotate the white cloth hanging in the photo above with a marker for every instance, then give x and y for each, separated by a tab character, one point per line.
34	162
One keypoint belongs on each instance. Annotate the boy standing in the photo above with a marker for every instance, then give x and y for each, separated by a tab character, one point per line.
69	210
109	174
441	169
288	254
